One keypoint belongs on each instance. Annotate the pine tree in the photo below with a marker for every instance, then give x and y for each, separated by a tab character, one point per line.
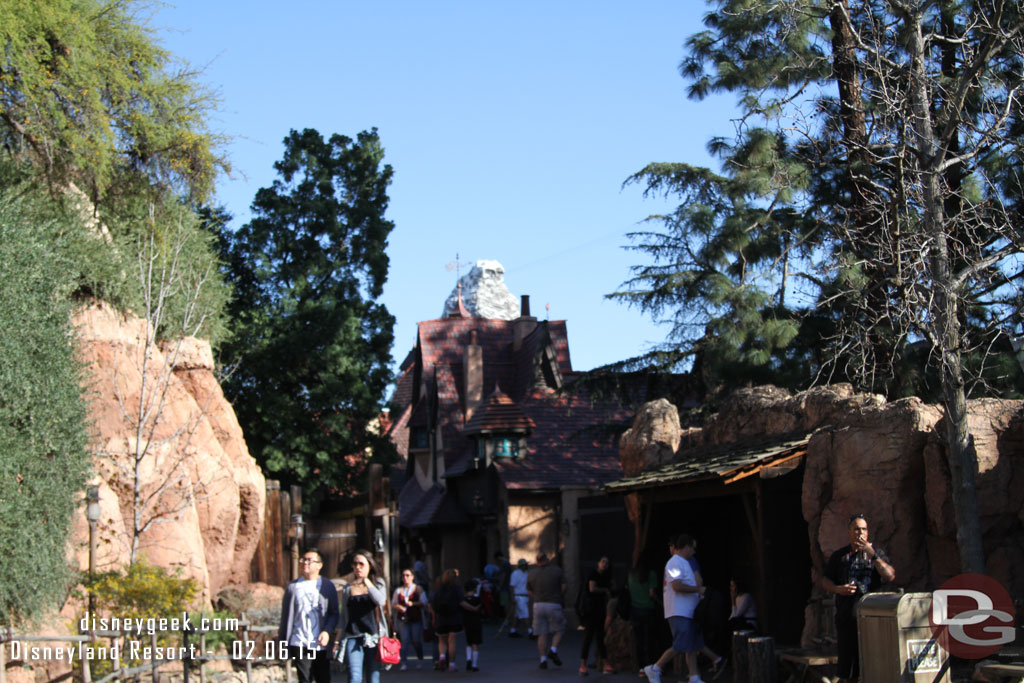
312	346
868	206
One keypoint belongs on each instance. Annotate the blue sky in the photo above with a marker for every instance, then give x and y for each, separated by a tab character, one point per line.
510	126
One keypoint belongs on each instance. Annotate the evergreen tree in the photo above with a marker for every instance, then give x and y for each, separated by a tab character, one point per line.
312	347
868	210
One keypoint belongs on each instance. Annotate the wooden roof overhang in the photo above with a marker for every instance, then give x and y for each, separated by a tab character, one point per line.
724	469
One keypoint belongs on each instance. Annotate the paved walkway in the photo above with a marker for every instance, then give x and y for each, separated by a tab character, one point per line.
504	660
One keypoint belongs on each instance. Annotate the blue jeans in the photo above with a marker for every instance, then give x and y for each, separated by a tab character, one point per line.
357	656
411	634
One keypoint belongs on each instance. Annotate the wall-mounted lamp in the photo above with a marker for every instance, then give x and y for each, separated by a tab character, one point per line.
378	540
92	514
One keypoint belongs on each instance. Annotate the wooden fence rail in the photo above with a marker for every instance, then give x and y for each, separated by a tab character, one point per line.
244	649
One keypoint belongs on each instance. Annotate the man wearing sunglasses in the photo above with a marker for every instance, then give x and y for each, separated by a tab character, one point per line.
852	571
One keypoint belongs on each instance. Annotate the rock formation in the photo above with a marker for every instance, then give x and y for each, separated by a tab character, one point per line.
208	493
484	293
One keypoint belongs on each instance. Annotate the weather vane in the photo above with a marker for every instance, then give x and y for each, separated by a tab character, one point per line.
456	265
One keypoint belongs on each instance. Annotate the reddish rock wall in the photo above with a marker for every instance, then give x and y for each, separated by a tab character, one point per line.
207	491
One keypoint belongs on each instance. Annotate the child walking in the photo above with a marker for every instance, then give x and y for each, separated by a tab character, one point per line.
472	618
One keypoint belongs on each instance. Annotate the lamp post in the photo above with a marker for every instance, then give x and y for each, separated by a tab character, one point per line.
296	530
92	513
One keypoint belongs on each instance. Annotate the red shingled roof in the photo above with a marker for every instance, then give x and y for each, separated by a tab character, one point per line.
574	444
571	441
499	414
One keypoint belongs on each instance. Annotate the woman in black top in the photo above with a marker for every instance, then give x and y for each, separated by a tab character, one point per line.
599	590
362	602
447	618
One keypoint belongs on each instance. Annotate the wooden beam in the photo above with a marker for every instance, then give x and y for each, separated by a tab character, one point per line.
754	469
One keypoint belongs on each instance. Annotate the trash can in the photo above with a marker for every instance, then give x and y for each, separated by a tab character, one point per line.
896	642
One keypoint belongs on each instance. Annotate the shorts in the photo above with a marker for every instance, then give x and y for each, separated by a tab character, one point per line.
474	634
686	635
522	607
547	618
445	629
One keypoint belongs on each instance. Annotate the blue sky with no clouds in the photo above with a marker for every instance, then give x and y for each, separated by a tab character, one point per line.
511	127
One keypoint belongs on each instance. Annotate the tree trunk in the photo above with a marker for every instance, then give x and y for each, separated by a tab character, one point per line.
943	320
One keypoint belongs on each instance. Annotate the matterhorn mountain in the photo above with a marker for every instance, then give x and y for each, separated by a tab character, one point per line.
484	294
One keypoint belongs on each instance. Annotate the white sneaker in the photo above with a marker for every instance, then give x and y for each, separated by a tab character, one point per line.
653	675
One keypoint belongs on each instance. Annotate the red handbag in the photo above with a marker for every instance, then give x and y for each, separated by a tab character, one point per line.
389	650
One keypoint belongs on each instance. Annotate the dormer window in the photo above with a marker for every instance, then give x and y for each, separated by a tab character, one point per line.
500	429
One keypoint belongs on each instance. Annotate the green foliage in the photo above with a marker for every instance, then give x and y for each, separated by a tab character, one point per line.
839	220
44	459
142	591
88	96
311	345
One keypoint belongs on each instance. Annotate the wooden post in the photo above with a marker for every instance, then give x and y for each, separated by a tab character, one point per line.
3	661
761	659
740	666
202	657
152	642
86	672
116	641
245	639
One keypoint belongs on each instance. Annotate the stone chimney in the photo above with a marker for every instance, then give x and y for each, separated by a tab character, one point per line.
472	376
524	324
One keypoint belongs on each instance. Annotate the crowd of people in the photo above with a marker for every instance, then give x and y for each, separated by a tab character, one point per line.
314	617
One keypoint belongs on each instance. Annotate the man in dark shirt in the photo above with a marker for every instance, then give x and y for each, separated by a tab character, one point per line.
852	571
546	586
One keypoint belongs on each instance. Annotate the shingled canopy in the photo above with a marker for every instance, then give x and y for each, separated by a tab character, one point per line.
721	464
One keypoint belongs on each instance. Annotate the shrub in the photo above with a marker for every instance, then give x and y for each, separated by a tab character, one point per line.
43	455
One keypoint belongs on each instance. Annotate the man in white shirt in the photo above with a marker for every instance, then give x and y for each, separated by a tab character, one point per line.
681	594
520	597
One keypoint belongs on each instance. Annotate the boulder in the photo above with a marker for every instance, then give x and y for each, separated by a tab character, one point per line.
652	440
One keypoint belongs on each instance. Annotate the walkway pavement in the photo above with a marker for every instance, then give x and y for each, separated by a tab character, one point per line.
504	660
509	660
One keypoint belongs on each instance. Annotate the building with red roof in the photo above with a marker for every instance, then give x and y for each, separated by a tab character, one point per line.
498	456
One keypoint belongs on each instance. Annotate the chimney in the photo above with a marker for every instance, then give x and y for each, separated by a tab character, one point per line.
524	324
472	376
